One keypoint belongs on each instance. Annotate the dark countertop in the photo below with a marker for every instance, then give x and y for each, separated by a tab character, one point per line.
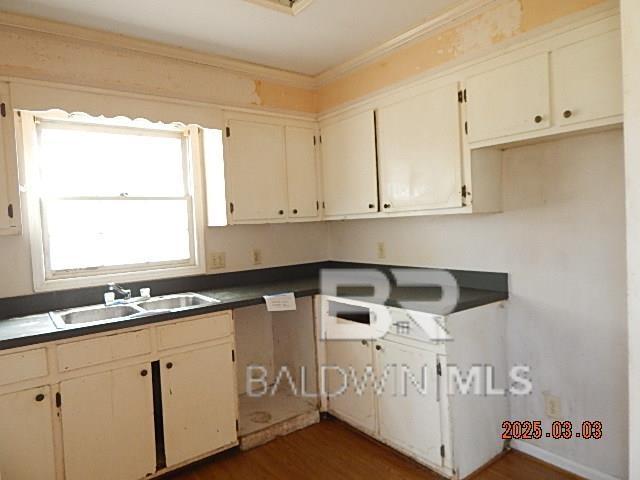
39	328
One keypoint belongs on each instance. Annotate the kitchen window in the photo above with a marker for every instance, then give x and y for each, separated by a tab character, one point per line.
111	198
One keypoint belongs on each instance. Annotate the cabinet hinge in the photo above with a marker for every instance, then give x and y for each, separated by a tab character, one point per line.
466	128
439	369
3	109
442	452
233	355
231	208
58	400
464	192
10	210
228	132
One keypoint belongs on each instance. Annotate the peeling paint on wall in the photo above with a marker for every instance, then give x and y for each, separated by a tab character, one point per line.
285	97
489	28
48	57
507	20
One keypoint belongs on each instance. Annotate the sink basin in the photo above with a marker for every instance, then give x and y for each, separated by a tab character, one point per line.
136	307
94	314
181	301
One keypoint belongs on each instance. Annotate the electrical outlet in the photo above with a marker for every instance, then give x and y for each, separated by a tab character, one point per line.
217	260
552	406
257	256
382	250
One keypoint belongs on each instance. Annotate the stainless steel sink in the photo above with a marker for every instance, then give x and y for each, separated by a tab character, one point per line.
136	307
94	315
180	301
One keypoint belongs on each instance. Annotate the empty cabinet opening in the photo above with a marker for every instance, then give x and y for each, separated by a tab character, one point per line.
276	368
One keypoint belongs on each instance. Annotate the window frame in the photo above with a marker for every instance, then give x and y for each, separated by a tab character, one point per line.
46	279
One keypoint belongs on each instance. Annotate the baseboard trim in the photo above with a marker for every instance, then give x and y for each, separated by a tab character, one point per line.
560	462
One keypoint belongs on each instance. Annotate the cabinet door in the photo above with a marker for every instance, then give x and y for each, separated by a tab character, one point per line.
352	358
587	80
302	175
107	425
349	166
409	408
256	168
26	435
509	100
199	402
9	214
419	152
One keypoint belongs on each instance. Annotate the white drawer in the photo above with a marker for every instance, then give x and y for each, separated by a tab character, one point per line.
86	353
16	367
201	329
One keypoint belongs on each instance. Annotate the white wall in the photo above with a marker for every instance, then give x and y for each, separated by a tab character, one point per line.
561	239
279	244
631	61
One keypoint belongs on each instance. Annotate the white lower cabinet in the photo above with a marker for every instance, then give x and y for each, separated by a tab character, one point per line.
26	435
409	406
107	425
123	406
198	402
348	360
407	402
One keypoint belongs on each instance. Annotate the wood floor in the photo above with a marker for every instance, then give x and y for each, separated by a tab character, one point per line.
333	451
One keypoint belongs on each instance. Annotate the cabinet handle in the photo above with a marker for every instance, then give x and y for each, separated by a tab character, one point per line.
378	347
144	372
365	343
371	205
40	397
567	114
539	118
295	211
387	205
170	365
280	212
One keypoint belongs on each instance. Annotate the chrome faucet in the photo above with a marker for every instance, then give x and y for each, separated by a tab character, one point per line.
115	288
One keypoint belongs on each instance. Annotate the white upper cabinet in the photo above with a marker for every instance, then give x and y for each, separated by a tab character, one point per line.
256	171
420	152
587	80
9	202
302	172
509	100
349	165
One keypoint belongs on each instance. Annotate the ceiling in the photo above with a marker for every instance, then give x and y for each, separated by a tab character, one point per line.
326	34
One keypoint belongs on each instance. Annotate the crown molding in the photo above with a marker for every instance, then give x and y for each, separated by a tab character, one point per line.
104	38
463	9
